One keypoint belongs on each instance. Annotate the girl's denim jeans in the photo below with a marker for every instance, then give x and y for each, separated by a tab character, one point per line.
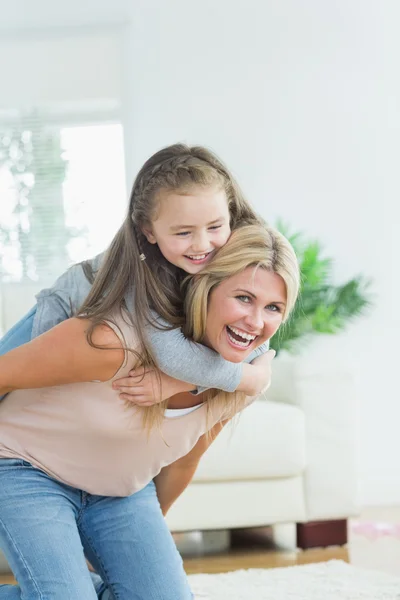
47	529
20	334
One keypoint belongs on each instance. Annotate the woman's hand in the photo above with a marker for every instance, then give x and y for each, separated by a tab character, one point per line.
256	377
146	387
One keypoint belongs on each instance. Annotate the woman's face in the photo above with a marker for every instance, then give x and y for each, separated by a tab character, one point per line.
244	311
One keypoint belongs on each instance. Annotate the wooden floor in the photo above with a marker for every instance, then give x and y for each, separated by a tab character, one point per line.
382	553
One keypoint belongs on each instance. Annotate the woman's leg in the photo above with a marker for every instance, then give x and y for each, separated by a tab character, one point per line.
129	544
39	536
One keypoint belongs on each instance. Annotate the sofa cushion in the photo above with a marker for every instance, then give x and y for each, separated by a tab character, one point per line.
266	440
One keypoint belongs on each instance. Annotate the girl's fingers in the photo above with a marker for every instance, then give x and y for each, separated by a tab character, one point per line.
140	372
121	382
132	391
132	380
139	401
126	382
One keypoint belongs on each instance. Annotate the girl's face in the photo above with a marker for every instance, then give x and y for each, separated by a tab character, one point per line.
190	227
244	311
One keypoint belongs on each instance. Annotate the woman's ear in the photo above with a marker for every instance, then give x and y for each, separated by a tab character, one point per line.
148	234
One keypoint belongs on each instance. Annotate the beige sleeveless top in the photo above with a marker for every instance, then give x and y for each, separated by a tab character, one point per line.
83	435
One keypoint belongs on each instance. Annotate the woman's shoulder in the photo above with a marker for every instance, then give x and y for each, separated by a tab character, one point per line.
79	329
105	335
97	345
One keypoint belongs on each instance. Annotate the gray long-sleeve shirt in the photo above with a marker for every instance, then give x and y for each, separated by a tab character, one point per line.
176	355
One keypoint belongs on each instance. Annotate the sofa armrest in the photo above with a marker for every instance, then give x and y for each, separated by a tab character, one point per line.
327	396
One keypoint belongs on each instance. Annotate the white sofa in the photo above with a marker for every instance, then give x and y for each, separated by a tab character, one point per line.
289	458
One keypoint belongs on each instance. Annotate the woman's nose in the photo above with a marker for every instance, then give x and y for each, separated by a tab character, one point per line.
255	320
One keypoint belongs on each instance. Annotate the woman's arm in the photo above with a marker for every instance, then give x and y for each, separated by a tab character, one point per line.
174	479
62	355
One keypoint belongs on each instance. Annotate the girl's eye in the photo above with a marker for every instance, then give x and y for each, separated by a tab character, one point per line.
215	227
244	299
183	233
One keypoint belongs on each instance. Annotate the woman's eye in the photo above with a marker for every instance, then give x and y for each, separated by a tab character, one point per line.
245	299
273	308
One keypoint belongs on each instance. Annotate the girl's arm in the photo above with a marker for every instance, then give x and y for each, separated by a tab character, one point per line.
202	367
147	387
188	364
61	356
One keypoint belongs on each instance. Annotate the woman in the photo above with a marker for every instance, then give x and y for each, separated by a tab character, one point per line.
82	474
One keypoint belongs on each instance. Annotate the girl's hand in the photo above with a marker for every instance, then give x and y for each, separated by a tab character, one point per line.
147	387
256	377
263	364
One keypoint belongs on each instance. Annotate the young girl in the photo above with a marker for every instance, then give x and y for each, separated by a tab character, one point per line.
80	474
183	206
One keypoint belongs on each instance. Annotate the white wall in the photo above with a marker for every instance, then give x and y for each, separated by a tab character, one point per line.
65	57
301	100
23	16
76	68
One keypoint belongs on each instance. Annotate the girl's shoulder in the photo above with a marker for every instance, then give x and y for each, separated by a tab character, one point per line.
63	298
73	282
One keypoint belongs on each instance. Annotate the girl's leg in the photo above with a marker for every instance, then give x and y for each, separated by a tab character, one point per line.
39	536
20	334
129	544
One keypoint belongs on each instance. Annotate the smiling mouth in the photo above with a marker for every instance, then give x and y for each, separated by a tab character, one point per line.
240	339
198	258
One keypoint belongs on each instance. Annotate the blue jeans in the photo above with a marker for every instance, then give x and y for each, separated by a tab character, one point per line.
19	334
47	529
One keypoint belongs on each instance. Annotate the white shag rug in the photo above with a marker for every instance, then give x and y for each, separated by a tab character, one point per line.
332	580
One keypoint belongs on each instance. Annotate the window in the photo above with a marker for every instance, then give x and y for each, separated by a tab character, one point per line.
62	195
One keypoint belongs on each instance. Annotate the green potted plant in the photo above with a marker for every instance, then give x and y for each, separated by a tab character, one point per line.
322	306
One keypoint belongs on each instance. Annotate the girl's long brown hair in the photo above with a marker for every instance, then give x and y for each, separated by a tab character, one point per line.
123	279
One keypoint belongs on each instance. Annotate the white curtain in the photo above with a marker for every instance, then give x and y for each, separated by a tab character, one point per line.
62	181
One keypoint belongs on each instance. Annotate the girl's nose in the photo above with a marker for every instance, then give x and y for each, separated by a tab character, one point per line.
200	242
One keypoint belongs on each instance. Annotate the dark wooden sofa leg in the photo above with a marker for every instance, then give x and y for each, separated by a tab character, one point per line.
317	534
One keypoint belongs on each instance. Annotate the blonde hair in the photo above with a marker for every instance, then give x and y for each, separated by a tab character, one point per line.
257	246
254	245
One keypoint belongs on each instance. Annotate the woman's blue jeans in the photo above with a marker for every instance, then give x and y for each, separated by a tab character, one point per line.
47	529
